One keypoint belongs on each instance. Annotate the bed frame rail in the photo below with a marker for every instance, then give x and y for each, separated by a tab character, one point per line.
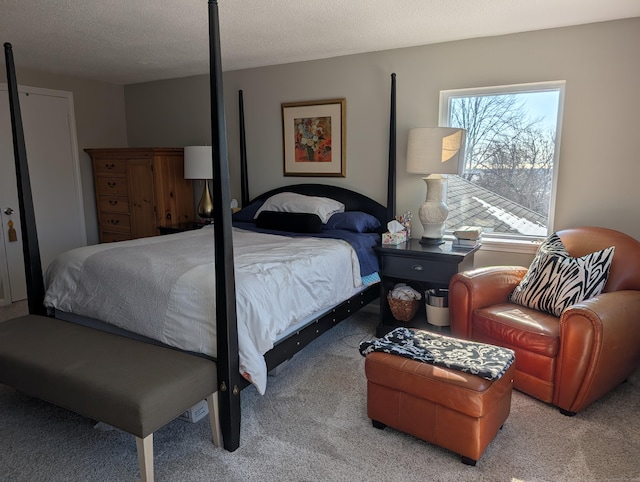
229	379
30	247
391	176
288	347
244	175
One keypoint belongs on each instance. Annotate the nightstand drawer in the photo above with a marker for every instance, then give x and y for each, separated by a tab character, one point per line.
418	269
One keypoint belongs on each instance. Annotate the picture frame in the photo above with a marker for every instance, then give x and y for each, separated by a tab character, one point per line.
314	138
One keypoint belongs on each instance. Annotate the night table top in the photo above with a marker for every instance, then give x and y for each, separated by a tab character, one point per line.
413	249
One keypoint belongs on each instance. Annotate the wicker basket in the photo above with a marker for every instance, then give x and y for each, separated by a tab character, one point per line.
403	310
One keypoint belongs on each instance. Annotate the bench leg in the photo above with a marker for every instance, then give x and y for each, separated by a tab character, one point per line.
214	418
145	457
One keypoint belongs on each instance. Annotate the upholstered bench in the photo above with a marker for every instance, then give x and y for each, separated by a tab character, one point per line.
131	385
449	408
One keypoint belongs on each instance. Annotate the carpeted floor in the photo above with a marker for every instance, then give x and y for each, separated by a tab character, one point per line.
312	425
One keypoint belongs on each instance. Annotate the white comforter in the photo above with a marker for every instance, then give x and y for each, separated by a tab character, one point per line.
163	288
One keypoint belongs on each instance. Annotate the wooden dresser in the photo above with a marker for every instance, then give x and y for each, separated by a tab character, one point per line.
139	190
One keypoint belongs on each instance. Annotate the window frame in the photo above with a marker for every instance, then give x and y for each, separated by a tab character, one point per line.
513	242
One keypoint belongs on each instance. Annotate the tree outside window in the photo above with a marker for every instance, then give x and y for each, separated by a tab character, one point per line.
507	184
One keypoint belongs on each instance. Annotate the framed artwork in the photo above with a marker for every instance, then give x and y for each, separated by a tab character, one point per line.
314	138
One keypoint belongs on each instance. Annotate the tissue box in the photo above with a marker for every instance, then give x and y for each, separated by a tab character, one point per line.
394	238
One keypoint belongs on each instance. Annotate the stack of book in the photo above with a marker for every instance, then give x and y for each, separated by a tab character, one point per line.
467	237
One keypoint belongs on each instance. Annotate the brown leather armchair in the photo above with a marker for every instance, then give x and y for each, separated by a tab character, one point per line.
569	361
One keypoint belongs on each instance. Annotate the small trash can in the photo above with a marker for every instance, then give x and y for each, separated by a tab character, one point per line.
437	304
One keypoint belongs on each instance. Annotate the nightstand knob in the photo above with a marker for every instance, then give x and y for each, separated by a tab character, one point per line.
417	267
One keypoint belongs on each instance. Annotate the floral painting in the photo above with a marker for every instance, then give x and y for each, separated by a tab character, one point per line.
314	138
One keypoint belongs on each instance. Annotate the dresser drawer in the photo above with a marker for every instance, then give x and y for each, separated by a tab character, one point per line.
113	204
103	167
114	222
111	186
418	269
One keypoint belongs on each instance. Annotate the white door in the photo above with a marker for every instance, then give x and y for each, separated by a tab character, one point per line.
52	155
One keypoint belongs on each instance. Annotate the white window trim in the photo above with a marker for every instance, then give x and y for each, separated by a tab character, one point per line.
506	242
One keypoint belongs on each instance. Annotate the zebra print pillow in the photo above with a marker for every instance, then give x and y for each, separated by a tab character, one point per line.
556	281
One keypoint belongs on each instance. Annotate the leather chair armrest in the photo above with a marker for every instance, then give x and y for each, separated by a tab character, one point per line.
478	288
600	348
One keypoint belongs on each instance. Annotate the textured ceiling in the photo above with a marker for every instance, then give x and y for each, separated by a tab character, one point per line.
132	41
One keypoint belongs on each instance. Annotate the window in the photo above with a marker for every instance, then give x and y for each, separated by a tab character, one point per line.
507	185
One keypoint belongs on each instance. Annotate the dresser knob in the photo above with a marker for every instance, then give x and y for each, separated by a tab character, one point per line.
417	267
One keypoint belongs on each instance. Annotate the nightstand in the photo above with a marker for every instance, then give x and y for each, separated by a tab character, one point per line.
422	267
179	228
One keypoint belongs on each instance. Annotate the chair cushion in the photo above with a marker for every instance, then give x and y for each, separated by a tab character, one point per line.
519	328
555	280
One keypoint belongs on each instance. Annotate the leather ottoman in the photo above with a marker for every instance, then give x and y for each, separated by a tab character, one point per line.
449	408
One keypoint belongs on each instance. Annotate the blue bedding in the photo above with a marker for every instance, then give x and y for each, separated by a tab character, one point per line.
362	243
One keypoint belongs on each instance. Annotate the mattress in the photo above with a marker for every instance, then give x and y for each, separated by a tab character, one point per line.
163	288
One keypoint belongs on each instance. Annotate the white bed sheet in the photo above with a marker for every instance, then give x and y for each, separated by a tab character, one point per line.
163	288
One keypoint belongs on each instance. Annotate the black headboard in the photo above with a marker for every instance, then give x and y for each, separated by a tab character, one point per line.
352	200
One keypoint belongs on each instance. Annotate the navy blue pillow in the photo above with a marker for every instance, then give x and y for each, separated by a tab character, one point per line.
246	214
355	221
291	222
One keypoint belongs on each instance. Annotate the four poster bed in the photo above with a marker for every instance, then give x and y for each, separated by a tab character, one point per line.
248	255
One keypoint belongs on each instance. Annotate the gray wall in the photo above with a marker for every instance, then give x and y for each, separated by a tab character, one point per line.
100	122
599	162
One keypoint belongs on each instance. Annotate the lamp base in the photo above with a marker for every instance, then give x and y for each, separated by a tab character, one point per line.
431	241
205	206
434	211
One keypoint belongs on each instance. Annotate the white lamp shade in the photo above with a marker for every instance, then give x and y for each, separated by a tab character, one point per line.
198	162
435	150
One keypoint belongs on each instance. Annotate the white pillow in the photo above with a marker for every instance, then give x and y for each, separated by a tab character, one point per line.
290	202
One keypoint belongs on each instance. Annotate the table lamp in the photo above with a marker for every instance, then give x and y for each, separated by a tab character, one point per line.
435	151
198	164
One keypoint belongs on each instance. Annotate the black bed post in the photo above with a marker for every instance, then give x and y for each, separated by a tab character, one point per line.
30	248
226	321
243	154
391	179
